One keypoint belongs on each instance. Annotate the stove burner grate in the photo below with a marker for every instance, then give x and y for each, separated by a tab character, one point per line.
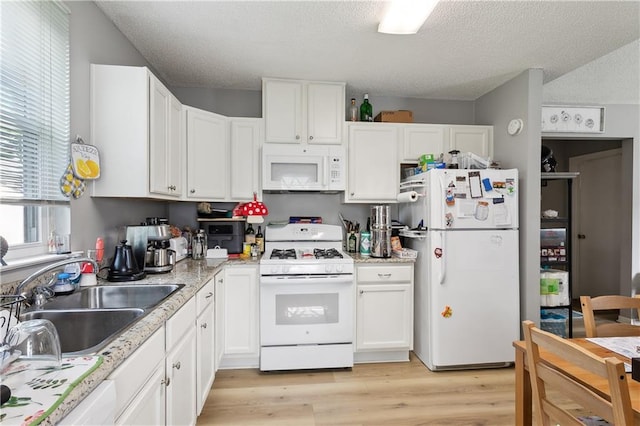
283	254
330	253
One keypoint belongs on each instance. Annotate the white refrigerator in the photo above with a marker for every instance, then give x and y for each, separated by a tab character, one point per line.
467	304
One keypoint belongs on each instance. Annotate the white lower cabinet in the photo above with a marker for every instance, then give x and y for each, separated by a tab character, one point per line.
181	380
97	408
148	407
140	383
219	319
157	383
384	312
205	351
240	335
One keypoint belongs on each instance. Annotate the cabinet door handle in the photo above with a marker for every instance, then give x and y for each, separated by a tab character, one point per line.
310	138
353	193
361	291
384	275
193	191
209	295
581	236
166	381
204	325
176	365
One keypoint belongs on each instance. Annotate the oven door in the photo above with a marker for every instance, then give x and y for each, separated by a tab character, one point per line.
299	310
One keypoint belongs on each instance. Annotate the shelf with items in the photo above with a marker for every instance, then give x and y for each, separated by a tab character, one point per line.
555	254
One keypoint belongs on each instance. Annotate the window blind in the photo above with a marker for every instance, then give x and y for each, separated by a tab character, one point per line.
34	100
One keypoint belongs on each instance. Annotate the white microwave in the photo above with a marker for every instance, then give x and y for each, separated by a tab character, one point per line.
303	167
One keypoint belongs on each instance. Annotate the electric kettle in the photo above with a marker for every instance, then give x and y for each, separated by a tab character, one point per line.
124	266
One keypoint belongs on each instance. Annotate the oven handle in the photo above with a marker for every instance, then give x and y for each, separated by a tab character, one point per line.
306	279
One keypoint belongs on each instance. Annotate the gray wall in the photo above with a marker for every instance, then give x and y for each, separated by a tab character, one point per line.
248	103
622	123
232	103
521	97
94	39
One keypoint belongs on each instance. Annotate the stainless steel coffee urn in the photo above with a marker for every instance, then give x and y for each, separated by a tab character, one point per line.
380	231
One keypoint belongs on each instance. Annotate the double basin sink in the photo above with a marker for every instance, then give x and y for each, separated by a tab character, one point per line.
89	319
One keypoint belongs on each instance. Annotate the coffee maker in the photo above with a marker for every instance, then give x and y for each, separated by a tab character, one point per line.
150	244
380	231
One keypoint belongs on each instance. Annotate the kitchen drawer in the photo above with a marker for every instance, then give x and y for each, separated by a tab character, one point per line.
204	296
134	371
180	323
384	273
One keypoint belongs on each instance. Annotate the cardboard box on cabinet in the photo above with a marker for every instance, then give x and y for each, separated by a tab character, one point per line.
401	116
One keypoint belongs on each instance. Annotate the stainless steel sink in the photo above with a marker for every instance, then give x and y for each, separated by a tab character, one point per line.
115	296
89	319
87	331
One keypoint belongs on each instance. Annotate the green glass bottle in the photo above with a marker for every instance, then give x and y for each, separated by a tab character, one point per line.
366	110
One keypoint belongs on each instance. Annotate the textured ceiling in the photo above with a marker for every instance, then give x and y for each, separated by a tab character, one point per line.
463	51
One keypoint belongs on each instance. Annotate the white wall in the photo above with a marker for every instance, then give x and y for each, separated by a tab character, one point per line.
521	98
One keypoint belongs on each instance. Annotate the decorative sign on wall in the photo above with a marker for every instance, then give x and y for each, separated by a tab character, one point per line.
561	119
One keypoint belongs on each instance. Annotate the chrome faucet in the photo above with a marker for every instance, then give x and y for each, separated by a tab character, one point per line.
20	289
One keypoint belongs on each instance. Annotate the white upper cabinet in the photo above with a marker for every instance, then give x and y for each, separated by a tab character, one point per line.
222	156
419	139
246	139
208	155
135	124
436	139
297	111
373	166
165	140
476	139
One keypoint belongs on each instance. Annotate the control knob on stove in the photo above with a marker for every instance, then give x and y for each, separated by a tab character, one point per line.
285	269
327	268
274	270
339	268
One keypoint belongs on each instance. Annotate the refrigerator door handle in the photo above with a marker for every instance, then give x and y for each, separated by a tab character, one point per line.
443	259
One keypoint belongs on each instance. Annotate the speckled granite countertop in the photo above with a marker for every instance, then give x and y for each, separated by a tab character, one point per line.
194	274
358	258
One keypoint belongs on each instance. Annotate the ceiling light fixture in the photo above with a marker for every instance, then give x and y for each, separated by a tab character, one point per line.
406	16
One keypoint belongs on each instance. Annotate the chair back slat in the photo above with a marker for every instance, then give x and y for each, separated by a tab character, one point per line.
548	376
614	302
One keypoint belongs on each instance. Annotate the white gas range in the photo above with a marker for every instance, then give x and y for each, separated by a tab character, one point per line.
306	299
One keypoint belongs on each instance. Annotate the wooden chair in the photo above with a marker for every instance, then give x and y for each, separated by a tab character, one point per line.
545	376
590	305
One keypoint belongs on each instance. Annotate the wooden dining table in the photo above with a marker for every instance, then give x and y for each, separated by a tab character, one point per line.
599	384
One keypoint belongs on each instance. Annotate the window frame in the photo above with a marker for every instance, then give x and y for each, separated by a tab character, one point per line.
41	130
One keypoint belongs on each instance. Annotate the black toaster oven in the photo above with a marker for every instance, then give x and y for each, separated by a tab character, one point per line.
224	233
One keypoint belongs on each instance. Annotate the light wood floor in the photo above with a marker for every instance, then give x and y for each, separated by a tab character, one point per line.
369	394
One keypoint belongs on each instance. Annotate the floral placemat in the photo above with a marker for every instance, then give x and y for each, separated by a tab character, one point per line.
37	390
